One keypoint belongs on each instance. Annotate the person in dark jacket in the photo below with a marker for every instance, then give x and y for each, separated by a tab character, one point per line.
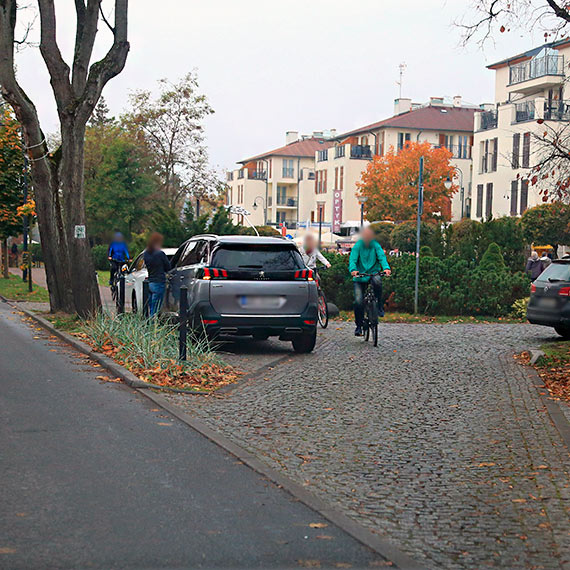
157	265
117	254
534	266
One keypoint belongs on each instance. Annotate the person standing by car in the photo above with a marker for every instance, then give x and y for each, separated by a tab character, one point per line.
367	256
118	254
546	261
311	254
534	266
157	265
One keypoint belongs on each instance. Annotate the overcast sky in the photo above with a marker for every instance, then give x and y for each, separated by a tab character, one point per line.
304	65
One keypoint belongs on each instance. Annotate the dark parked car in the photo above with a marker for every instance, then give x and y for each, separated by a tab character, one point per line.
550	298
245	285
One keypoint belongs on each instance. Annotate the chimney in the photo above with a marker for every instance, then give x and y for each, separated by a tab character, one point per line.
333	133
291	137
318	134
457	101
436	100
402	106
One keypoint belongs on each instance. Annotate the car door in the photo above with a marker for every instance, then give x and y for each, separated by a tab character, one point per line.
183	272
134	281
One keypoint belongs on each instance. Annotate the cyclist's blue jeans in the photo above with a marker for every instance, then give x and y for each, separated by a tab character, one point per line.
359	292
156	294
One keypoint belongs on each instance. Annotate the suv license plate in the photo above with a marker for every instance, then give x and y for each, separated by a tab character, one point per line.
547	302
261	302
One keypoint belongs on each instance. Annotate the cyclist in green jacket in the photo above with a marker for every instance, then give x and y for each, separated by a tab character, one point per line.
367	256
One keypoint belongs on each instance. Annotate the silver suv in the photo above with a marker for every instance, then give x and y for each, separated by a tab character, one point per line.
245	285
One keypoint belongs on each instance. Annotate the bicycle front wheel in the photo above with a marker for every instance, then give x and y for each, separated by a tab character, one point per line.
374	334
323	311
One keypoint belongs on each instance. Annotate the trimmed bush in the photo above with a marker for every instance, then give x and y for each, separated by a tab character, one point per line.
337	282
99	253
492	259
383	231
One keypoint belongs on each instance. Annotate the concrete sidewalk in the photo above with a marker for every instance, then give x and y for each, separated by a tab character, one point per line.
93	475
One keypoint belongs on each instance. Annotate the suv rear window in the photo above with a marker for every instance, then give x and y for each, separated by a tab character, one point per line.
257	258
556	272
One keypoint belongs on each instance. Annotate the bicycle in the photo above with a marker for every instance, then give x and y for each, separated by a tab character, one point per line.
322	307
114	282
371	310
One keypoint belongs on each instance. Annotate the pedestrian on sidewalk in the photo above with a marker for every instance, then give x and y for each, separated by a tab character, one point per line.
534	266
14	252
157	265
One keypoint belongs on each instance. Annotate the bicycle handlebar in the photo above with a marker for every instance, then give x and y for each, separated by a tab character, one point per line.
382	273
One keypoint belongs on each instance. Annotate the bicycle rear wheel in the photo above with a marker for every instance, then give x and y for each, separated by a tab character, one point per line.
323	310
374	334
366	329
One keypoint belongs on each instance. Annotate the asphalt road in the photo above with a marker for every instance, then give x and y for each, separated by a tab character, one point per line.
94	476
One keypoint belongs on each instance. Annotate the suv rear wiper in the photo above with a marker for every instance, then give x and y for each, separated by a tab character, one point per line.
251	266
554	279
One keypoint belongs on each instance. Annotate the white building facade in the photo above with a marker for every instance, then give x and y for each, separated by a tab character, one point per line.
530	96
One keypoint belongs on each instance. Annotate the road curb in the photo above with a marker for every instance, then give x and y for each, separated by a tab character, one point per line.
373	541
108	363
553	408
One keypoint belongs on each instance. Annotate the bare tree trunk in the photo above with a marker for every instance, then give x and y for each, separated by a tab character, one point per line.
5	261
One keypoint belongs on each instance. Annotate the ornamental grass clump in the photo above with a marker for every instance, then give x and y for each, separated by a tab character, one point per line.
149	348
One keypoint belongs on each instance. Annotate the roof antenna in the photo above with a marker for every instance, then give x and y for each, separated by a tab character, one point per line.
402	67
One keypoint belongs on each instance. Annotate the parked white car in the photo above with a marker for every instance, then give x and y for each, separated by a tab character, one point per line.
135	276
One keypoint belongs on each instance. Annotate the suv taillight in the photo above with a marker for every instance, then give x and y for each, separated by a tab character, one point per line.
304	274
533	288
564	291
213	273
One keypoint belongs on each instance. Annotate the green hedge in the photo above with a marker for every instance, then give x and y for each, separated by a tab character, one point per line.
448	286
99	253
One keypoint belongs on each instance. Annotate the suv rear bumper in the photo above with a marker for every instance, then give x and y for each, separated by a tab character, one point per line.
551	318
284	326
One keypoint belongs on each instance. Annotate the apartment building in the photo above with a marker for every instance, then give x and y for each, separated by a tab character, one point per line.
528	87
338	168
277	186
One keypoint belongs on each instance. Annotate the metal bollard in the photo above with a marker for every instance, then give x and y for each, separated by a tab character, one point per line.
121	307
183	326
145	299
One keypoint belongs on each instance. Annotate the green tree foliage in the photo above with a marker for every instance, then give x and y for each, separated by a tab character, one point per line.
119	181
403	236
337	282
492	259
507	233
465	239
547	224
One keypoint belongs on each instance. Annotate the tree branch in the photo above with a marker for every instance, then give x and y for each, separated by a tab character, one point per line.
87	17
559	11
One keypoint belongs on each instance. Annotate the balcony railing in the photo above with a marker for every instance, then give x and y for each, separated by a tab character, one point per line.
524	111
360	151
322	155
458	150
488	120
257	174
286	201
557	111
339	151
288	172
536	67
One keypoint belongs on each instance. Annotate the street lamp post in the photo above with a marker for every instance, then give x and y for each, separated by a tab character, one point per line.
362	200
255	205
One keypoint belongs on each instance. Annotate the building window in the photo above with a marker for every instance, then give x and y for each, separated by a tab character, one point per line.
495	155
320	212
403	138
479	210
526	150
514	197
524	196
288	170
341	181
280	217
281	195
463	147
516	150
229	197
489	201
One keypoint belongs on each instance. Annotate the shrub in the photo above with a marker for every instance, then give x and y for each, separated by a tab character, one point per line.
37	253
426	251
337	282
403	236
507	233
99	253
518	310
465	238
492	259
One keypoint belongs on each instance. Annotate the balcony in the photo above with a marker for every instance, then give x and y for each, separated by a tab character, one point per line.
288	173
257	175
322	155
488	120
339	151
286	202
458	150
360	151
535	68
557	111
524	111
240	174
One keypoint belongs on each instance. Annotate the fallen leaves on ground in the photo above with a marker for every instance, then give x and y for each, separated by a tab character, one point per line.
556	377
318	525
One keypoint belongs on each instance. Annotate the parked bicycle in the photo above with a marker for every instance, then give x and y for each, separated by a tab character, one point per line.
371	310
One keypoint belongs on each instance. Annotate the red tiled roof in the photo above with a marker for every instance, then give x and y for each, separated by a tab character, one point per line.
431	118
303	148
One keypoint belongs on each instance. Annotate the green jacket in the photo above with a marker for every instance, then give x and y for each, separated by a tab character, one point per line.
363	259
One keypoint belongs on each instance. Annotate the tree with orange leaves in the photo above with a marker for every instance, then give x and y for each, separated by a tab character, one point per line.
390	183
11	181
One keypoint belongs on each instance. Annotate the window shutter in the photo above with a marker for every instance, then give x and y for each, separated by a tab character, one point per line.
479	211
516	150
495	153
325	183
489	201
524	196
441	140
514	197
336	177
526	150
341	178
